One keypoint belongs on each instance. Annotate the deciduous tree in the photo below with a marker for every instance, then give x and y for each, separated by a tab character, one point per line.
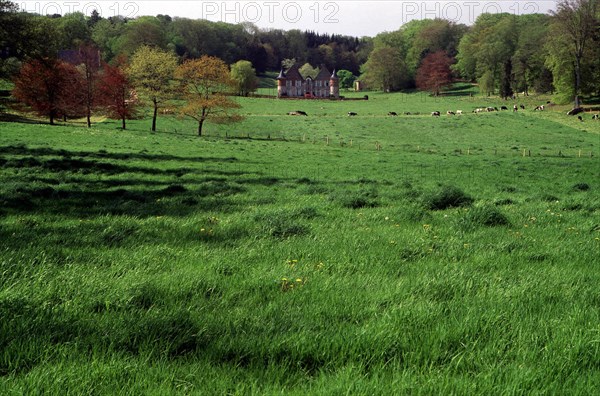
49	87
434	72
205	81
575	22
116	93
151	70
89	66
244	76
385	69
346	78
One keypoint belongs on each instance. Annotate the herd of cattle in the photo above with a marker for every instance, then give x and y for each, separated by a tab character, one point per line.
458	112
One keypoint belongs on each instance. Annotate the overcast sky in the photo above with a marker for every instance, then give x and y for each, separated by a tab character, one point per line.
354	18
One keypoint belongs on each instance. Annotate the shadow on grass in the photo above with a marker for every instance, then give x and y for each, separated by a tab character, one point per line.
44	151
78	187
7	117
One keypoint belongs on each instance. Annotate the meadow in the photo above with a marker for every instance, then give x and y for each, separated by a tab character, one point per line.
325	255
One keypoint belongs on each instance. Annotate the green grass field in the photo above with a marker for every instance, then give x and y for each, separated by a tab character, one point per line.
324	255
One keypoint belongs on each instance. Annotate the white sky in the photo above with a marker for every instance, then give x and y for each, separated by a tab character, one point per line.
354	18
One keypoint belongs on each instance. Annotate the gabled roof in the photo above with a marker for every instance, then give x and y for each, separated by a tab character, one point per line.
293	73
324	74
281	75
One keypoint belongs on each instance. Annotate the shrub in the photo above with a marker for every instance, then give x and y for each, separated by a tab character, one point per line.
282	224
486	215
446	197
581	187
356	199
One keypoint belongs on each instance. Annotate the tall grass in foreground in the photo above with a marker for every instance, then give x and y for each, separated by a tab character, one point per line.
447	262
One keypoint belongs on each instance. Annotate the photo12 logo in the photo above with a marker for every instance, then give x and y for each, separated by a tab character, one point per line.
270	11
127	9
467	11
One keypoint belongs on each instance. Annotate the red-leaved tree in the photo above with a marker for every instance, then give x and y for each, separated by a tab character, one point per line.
434	72
50	87
116	93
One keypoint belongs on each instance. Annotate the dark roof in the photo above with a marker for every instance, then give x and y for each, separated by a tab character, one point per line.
74	57
334	75
293	73
324	74
281	75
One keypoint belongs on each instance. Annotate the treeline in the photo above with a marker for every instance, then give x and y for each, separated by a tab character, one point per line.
25	35
504	53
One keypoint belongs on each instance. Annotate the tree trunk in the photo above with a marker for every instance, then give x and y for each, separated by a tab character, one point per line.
155	114
200	122
123	123
89	119
577	79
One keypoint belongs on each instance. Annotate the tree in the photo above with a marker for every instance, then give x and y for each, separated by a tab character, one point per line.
244	76
385	69
116	93
151	70
89	58
529	57
434	72
288	62
346	78
306	70
576	22
204	82
49	87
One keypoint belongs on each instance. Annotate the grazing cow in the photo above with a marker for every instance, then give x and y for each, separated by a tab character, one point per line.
297	113
435	114
351	114
580	118
522	107
392	113
503	108
450	113
575	111
489	109
539	108
595	116
459	112
478	110
407	113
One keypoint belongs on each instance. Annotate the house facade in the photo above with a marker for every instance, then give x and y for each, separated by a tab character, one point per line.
291	84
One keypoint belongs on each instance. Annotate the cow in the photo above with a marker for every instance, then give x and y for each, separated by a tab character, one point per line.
297	113
459	112
515	108
522	107
575	111
503	108
479	110
407	113
539	108
450	113
435	114
595	116
580	118
489	109
351	114
392	113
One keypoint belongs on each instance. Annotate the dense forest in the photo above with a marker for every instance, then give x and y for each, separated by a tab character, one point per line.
503	53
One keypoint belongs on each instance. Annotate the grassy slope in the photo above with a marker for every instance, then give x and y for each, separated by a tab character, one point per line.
163	263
